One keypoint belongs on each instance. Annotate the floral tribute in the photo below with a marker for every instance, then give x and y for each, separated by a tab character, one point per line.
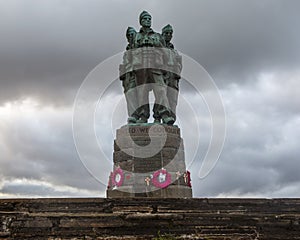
187	178
117	177
161	178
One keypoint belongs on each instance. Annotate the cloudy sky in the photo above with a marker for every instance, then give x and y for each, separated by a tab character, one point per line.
251	49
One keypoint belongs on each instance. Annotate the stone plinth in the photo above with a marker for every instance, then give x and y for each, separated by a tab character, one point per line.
149	162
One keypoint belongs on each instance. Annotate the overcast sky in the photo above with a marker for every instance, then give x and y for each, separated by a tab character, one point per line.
250	48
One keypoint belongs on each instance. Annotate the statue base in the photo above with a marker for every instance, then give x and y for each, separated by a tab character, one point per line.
149	162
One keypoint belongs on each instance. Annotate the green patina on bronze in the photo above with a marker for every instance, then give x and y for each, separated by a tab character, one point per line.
138	80
170	77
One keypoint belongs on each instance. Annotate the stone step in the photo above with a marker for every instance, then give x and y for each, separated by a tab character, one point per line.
145	218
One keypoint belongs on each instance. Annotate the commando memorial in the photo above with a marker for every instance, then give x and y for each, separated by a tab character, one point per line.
149	157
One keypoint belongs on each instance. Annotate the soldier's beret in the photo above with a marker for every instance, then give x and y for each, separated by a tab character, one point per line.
166	28
143	14
130	29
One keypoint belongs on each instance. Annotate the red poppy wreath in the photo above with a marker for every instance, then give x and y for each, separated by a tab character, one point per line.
161	178
117	177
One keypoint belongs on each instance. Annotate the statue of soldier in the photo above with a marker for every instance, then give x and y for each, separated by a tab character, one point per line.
147	52
127	76
171	77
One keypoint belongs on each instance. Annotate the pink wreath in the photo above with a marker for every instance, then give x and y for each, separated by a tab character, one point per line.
157	183
119	182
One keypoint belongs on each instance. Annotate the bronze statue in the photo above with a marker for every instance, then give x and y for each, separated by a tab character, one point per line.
148	53
151	78
130	35
127	76
171	77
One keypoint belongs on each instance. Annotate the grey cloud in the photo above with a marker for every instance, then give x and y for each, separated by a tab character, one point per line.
238	39
25	188
260	156
48	48
41	147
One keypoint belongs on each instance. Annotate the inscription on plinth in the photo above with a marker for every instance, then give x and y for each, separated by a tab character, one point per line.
156	129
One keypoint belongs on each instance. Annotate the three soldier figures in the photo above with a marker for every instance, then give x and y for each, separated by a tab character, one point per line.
150	63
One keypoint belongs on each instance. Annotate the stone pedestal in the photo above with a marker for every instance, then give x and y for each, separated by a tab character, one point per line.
149	162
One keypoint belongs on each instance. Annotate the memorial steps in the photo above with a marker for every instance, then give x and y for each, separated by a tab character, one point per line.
147	218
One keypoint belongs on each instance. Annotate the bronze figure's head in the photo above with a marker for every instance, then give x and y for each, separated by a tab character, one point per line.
145	19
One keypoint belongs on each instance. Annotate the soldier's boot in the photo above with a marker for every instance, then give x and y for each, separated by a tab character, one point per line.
131	120
157	120
168	120
143	119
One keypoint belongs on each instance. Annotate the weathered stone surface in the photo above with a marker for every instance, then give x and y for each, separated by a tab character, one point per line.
166	154
128	142
170	156
142	165
127	165
145	218
178	191
121	192
174	165
120	156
